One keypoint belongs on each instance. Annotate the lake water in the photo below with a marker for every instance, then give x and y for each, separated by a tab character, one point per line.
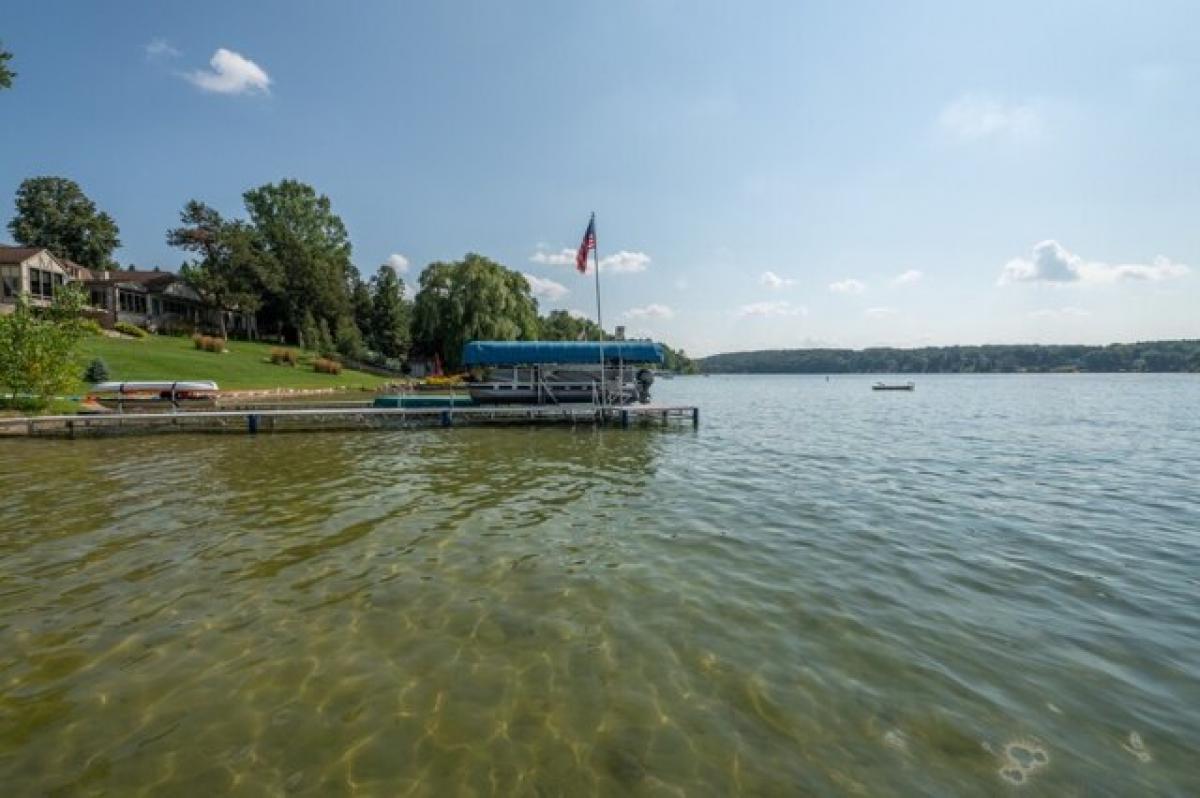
991	584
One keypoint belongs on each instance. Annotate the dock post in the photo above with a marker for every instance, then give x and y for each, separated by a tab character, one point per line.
446	419
625	419
71	430
252	423
695	418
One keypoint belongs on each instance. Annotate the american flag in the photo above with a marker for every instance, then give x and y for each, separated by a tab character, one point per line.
588	244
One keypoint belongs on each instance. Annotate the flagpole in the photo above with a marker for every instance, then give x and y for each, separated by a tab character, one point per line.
599	318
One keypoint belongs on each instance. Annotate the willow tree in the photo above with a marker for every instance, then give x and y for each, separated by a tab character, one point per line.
471	299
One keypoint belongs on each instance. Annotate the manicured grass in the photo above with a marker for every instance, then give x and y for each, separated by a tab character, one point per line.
246	365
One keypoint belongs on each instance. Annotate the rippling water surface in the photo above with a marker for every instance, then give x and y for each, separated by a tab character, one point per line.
990	584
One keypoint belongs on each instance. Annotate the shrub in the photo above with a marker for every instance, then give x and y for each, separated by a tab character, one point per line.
91	327
284	357
97	371
324	365
209	343
130	329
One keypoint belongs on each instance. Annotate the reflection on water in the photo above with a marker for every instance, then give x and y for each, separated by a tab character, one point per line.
990	582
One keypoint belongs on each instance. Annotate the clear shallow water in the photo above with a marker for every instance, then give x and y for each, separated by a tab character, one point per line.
990	584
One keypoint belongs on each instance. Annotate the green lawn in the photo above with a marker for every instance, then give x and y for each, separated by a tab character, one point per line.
245	365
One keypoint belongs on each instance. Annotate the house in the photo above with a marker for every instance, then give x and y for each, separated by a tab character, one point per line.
29	270
156	300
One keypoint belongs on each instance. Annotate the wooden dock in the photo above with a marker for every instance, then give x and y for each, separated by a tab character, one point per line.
308	419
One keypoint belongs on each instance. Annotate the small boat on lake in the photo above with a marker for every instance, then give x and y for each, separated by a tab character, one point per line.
893	386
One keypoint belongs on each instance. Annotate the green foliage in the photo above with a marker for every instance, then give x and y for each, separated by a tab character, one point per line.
471	299
1146	356
38	350
305	246
391	314
349	339
97	371
130	329
231	272
53	212
91	327
309	335
325	345
6	74
677	360
560	325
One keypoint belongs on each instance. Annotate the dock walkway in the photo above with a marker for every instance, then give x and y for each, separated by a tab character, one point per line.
307	419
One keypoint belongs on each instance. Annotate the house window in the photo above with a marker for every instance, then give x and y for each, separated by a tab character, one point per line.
41	283
10	282
99	300
131	303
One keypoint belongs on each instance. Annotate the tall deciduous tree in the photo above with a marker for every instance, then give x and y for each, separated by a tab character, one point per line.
53	212
390	313
6	74
310	250
231	272
471	299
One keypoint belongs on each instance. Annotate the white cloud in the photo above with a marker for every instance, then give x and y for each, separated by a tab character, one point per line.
1059	313
564	257
624	262
774	281
1050	262
398	262
776	308
908	278
879	313
979	116
848	286
231	73
160	48
545	289
651	311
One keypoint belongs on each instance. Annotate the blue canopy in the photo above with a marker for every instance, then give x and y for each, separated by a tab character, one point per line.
523	353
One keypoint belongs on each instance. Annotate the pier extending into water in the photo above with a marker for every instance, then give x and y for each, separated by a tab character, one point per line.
308	419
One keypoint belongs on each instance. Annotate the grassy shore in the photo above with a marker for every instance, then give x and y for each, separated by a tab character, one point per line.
244	366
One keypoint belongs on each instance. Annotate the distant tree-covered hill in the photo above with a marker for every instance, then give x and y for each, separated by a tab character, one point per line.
1000	358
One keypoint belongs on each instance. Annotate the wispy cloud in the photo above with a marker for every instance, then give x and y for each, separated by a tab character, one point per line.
651	311
771	308
979	116
908	278
160	48
1059	313
543	288
621	262
774	281
231	73
1050	262
879	313
848	286
624	262
398	262
564	257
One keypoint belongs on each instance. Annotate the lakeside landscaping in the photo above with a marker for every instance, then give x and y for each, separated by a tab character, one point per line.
244	366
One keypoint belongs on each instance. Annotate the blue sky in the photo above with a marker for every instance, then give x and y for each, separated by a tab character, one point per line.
763	174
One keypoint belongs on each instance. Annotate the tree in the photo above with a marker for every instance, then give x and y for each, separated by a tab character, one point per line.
38	350
561	325
391	314
310	337
308	248
97	371
471	299
231	272
363	308
6	74
53	212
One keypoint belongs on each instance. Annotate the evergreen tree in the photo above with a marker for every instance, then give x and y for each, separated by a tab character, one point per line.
97	371
390	313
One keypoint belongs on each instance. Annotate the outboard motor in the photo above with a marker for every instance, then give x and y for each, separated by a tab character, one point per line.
645	378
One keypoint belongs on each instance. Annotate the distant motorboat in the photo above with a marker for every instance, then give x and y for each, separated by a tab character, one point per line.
893	386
